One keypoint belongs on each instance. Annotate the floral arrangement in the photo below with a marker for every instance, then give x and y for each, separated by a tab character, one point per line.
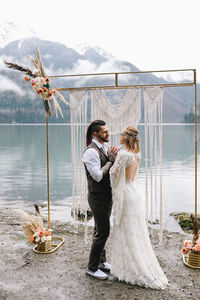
40	236
41	86
191	246
40	83
194	244
34	229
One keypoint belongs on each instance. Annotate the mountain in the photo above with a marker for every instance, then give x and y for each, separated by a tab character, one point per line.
10	31
19	103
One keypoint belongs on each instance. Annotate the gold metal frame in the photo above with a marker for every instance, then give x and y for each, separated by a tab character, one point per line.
117	86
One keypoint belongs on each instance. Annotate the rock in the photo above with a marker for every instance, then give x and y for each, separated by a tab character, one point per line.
44	204
184	220
76	212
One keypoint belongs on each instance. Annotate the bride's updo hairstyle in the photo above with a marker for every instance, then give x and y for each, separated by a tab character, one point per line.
131	139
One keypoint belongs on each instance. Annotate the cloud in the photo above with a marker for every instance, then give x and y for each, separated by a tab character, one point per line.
177	76
110	66
7	84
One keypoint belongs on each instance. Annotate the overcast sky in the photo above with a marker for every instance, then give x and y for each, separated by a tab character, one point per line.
152	34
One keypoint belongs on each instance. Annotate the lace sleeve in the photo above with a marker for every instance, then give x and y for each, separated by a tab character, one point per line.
117	166
130	160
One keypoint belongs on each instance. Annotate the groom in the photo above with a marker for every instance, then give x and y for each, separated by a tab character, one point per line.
98	159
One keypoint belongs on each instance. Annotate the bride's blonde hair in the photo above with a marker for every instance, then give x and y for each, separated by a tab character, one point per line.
131	139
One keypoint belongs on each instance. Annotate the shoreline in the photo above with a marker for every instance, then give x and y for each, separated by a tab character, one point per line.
61	212
61	275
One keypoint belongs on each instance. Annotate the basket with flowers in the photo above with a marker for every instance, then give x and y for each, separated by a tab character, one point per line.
192	247
35	232
42	239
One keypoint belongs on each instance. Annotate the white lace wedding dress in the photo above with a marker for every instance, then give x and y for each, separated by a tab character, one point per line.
132	257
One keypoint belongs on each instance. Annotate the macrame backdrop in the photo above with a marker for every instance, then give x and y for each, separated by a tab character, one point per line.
78	118
118	114
153	107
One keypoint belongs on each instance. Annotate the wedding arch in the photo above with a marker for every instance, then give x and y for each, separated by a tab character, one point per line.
117	115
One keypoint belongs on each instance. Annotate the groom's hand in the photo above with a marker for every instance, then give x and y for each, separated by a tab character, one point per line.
112	153
114	150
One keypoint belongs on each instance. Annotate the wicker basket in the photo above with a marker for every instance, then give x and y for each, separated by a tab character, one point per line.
194	259
46	246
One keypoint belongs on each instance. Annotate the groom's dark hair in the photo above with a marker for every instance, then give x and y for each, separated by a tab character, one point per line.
95	126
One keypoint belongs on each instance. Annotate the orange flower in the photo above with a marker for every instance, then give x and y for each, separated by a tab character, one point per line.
41	233
184	250
32	240
47	79
186	243
197	247
50	93
26	78
39	91
47	233
44	89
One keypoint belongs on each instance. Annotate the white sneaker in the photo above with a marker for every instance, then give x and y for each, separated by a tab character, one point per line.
105	266
98	274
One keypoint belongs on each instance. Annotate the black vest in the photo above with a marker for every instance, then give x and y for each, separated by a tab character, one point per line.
103	186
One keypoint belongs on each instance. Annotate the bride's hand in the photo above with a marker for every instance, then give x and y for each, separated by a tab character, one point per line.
114	150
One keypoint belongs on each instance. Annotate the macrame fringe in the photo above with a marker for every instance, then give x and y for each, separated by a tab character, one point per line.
153	102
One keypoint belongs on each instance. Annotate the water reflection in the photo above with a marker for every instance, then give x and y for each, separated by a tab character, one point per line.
23	165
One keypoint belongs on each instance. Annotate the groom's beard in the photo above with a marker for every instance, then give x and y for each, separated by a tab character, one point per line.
102	139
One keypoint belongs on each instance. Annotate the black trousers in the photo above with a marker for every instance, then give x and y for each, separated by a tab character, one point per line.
101	206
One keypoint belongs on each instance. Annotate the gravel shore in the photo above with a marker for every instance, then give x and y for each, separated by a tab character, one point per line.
61	275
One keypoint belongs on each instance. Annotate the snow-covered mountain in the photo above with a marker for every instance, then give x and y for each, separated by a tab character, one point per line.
59	59
10	31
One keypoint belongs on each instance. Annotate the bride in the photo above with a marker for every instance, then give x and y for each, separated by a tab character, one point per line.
132	257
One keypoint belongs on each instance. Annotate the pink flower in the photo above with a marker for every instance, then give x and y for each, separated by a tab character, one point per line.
197	247
198	241
184	250
47	79
189	246
42	81
33	82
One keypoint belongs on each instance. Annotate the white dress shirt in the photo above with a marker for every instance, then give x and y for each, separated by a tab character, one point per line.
92	160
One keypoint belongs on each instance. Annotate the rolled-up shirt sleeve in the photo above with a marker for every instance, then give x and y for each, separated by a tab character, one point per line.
93	164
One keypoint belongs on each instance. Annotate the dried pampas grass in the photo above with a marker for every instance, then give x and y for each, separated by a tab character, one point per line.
37	61
40	72
32	224
19	68
195	228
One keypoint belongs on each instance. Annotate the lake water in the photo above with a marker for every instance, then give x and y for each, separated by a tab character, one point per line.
23	167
